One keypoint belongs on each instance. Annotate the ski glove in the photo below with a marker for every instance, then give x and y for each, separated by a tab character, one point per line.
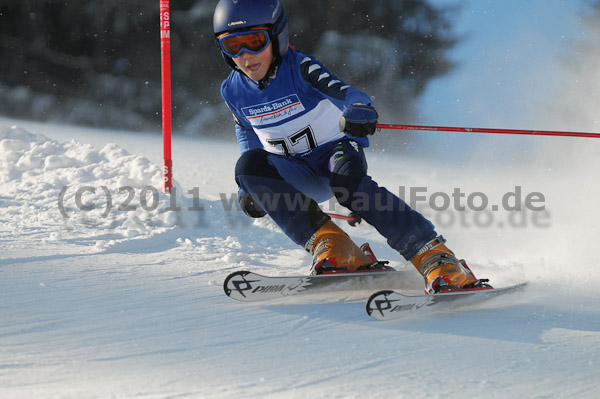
249	206
359	120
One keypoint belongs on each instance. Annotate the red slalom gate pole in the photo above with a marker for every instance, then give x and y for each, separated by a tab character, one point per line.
165	64
484	130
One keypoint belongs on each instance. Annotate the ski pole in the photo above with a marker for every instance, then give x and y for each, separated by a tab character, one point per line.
486	130
353	218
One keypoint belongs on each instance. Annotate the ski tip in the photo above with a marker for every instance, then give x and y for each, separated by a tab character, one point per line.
376	303
227	286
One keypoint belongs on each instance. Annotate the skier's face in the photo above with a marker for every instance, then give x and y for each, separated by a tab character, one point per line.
255	66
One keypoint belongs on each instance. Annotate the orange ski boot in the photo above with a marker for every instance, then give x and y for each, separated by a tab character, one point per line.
334	252
442	271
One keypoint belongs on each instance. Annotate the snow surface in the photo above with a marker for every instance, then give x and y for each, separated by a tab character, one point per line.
128	303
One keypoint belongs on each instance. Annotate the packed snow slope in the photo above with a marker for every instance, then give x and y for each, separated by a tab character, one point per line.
111	289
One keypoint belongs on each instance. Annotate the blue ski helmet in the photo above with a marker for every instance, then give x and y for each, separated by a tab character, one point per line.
239	15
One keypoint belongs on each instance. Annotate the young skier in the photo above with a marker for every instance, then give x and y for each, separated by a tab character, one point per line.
301	133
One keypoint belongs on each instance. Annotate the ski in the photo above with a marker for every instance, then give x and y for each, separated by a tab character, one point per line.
389	305
248	286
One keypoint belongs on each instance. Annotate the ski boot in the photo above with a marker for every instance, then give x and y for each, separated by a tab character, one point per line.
442	271
334	252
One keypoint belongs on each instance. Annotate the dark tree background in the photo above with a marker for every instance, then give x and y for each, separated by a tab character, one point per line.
97	62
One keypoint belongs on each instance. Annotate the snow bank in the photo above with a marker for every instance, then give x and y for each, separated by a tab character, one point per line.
89	193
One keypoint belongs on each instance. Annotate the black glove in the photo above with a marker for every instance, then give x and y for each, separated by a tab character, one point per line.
249	206
359	120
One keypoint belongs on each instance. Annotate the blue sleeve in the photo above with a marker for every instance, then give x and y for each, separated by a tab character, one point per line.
340	93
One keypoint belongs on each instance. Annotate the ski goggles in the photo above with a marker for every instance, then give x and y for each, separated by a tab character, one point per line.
252	41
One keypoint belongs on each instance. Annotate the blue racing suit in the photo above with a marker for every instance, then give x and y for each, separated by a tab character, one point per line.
293	154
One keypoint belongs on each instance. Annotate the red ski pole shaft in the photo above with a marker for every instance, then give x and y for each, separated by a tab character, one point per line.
353	218
342	217
485	130
165	62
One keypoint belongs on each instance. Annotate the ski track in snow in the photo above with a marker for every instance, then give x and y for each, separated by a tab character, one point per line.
129	303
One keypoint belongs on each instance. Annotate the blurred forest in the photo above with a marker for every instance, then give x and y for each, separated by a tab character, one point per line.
97	62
